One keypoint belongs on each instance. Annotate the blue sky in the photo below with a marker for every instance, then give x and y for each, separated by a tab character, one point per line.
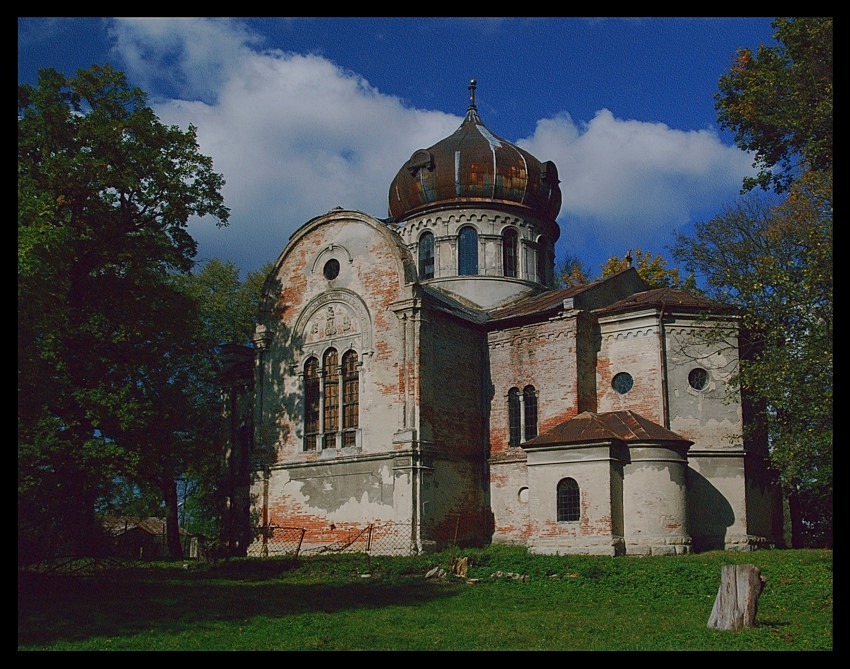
302	115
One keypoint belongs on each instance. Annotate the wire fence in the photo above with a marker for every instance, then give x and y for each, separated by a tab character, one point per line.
388	538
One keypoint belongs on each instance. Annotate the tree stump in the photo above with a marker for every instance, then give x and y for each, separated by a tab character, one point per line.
737	599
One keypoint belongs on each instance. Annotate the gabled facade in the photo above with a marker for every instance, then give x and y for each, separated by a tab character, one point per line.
421	375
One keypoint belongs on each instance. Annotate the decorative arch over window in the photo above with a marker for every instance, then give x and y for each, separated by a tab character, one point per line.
350	398
509	252
467	251
569	501
426	256
514	418
529	401
311	403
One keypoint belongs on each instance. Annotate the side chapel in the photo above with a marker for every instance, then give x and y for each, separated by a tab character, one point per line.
421	374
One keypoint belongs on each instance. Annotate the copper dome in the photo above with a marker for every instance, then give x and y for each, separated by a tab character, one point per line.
472	167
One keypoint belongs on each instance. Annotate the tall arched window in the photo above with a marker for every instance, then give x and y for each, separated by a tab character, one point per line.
467	251
330	372
515	429
350	399
426	256
543	261
311	403
509	252
529	401
569	501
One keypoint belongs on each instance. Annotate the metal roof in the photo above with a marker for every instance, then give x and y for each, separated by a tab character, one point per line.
626	426
473	166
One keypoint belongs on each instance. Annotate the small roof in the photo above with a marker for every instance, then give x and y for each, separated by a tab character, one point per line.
626	426
666	298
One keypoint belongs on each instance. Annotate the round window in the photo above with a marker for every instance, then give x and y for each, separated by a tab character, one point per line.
698	378
331	270
622	382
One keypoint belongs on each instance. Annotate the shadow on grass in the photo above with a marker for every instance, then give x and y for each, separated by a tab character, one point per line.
60	607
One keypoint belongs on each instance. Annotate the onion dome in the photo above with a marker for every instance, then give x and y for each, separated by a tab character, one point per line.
475	167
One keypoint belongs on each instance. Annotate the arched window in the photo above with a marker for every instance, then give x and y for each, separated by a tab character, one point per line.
569	501
543	261
311	403
350	399
509	252
330	372
515	429
529	401
467	251
426	256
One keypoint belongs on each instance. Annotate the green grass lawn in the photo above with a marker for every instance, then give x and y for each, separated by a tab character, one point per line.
509	601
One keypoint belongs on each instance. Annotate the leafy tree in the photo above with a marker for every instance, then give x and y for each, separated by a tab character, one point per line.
228	309
571	272
105	192
652	269
773	257
773	260
779	102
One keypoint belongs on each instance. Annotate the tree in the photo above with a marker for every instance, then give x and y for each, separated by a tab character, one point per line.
772	257
652	269
105	193
571	272
228	309
779	102
773	260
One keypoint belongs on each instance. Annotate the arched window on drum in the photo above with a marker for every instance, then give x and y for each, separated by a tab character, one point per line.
509	252
426	256
467	251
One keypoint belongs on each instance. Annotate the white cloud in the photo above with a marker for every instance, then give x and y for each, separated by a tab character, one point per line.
295	135
646	176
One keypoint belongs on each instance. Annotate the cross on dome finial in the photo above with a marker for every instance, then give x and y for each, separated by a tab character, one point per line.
472	110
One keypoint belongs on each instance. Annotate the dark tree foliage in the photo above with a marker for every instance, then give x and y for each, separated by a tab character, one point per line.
105	192
775	261
779	102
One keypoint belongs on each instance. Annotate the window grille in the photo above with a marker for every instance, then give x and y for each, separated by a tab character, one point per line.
350	399
330	371
569	501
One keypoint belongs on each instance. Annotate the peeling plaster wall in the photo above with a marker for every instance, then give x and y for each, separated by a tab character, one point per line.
305	313
452	429
431	463
630	344
542	355
655	512
712	417
599	529
509	496
717	500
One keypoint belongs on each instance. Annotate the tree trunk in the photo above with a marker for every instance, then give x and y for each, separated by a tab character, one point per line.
737	599
172	525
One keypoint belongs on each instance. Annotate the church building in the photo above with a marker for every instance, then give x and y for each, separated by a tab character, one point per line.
421	374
